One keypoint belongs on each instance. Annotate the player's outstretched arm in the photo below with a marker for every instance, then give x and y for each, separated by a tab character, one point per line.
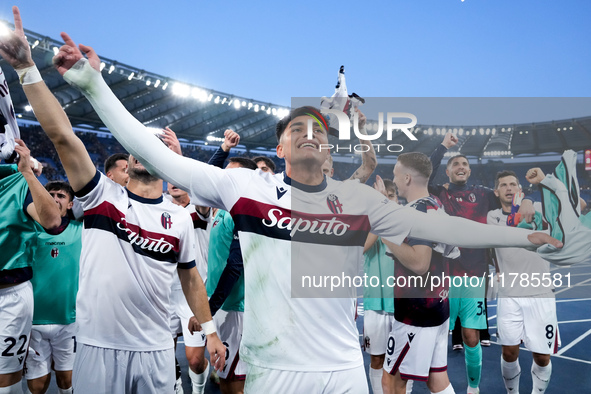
369	161
196	296
15	49
416	258
466	233
43	209
134	136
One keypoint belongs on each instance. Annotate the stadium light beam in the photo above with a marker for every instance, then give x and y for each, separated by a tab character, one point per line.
157	83
4	30
131	76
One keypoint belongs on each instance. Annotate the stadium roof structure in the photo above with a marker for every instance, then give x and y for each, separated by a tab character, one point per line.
202	114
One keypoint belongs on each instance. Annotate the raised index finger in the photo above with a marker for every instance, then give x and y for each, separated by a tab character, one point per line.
68	41
18	22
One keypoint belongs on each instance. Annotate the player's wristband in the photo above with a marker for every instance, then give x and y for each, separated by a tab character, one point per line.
29	75
208	327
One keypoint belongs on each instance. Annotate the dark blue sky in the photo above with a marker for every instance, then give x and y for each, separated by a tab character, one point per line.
272	51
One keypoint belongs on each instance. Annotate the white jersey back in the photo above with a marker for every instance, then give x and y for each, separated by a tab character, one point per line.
202	228
280	227
518	261
130	249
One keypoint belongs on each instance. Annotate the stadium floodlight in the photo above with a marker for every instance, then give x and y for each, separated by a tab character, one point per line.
268	111
274	111
256	108
249	105
437	131
131	76
180	89
262	107
35	44
243	103
509	129
165	86
217	100
487	131
55	50
148	82
461	132
237	104
199	94
230	102
111	68
224	100
4	30
103	64
210	138
209	97
157	83
494	131
28	108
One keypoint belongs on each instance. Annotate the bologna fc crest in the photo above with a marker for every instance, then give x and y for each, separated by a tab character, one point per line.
472	197
166	220
54	252
333	204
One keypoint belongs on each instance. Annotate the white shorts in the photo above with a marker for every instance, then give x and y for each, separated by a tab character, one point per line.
108	371
179	320
229	327
16	319
376	329
50	342
416	351
265	380
528	319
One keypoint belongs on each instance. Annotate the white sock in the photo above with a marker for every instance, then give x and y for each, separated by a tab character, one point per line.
375	379
65	391
448	390
409	384
540	377
511	372
16	388
198	380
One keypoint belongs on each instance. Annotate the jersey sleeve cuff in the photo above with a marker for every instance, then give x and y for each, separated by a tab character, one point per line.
186	266
89	186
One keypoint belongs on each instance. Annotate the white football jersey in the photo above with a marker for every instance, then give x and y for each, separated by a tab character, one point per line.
514	262
202	228
130	249
289	231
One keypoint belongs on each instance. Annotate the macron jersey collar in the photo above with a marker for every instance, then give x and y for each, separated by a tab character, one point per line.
144	200
305	188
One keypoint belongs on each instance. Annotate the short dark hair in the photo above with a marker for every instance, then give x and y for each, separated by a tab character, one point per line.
268	162
502	174
294	113
390	185
417	161
244	162
455	157
113	159
60	186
